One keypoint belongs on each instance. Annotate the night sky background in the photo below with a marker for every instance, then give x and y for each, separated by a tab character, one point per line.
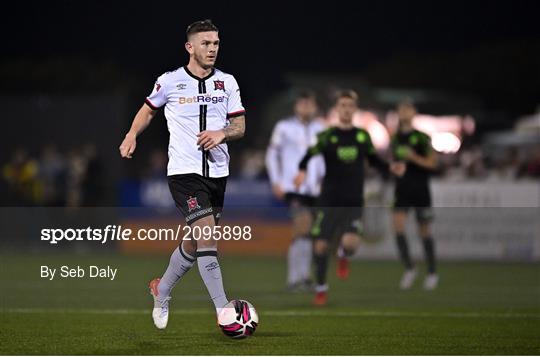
490	50
76	72
261	41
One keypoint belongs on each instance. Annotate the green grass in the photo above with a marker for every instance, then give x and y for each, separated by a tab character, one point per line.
479	308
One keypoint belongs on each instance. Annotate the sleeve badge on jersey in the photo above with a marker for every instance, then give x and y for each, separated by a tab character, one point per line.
192	204
158	87
219	85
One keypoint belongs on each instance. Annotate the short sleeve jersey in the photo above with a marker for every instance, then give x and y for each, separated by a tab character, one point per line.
192	105
290	140
420	143
344	153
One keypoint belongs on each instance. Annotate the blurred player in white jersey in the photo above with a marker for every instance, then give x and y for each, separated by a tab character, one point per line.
203	111
290	139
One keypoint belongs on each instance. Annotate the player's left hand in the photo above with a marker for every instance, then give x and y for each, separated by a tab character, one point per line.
398	168
209	139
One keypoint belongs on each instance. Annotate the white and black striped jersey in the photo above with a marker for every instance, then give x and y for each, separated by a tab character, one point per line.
192	105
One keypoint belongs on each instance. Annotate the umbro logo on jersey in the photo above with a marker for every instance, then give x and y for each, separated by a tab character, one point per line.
219	85
181	86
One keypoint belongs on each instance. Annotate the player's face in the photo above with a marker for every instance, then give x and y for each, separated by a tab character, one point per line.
345	108
406	113
305	108
204	47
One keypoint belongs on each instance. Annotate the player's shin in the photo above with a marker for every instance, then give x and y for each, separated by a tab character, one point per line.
293	256
211	275
403	249
320	258
179	264
304	264
429	251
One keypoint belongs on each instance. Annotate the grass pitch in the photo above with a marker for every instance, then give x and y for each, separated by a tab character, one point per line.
479	308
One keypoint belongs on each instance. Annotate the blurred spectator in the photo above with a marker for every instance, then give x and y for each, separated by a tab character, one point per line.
75	179
76	169
253	164
157	164
52	175
533	166
20	174
92	179
84	177
472	163
507	167
154	188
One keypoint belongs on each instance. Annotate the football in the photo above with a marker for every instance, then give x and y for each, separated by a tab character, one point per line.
238	319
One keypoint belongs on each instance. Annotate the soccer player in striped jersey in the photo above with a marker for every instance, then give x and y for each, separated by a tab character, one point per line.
203	111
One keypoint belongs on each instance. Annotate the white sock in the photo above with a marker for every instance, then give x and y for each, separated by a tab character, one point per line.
305	252
211	275
294	257
179	264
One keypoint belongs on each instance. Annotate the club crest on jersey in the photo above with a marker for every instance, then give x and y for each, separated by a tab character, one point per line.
192	204
219	85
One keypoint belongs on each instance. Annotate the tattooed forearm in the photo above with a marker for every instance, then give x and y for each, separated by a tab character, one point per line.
235	129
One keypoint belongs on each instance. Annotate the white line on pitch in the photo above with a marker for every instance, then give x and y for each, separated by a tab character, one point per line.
300	313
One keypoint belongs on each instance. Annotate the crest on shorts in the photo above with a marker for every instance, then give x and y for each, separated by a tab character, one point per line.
219	85
192	204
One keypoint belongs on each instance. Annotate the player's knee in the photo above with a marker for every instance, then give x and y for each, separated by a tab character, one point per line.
349	249
206	243
199	228
189	246
399	225
320	247
425	230
399	220
211	244
350	243
302	223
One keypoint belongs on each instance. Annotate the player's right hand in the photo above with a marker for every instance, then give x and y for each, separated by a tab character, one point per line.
299	179
278	192
127	148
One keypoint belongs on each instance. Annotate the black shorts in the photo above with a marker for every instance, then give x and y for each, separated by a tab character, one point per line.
297	200
412	195
198	196
333	222
423	214
419	200
299	203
